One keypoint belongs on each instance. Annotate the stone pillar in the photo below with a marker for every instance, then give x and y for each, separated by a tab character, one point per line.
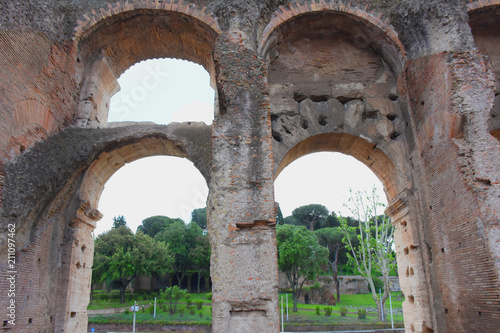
412	278
75	277
241	218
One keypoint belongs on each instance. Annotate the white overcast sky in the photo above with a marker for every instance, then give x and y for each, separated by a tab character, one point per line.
164	91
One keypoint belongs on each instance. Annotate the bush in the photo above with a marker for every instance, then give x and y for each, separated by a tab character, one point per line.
328	311
316	286
188	299
104	297
181	310
199	304
127	311
191	309
361	313
343	312
318	310
139	298
208	297
200	313
151	309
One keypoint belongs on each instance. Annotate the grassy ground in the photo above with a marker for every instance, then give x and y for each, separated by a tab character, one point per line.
306	312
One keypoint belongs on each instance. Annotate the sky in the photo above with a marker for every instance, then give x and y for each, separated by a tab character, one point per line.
164	91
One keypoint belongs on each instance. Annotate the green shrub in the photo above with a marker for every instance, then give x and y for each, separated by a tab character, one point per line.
316	286
208	296
188	299
318	310
328	311
200	313
104	297
361	313
181	310
127	310
151	309
192	309
199	304
139	298
343	312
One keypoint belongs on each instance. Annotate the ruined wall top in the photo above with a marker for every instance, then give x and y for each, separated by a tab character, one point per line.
422	26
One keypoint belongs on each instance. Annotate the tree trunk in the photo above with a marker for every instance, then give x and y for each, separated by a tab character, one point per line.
121	287
335	275
295	309
91	292
198	287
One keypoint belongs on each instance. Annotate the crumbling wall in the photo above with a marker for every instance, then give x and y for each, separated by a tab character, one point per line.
404	86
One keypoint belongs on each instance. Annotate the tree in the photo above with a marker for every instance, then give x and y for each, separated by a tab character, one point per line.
199	216
309	215
331	238
200	256
157	257
331	221
374	253
119	221
154	224
299	256
181	238
173	295
279	215
120	256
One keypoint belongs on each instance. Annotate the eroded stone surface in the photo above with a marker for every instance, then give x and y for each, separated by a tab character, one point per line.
409	88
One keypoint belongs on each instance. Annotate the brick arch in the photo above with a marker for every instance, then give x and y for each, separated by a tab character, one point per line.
159	30
286	13
95	18
111	160
362	150
111	40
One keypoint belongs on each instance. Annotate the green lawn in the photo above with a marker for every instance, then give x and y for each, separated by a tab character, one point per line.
305	315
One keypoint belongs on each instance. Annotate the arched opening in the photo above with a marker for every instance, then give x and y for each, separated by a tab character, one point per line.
107	47
162	91
324	178
158	185
87	216
334	86
485	26
108	50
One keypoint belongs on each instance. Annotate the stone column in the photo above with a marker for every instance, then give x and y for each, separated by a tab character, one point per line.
418	314
75	275
241	218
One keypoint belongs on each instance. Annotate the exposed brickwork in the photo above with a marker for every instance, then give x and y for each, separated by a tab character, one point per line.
98	16
397	84
294	9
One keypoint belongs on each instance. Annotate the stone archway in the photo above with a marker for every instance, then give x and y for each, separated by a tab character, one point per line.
423	98
77	253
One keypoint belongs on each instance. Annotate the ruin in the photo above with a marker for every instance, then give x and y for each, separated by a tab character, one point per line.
408	87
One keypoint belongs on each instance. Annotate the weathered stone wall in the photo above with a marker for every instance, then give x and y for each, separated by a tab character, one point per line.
408	87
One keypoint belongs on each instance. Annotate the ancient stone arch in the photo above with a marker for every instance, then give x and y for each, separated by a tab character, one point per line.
403	86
